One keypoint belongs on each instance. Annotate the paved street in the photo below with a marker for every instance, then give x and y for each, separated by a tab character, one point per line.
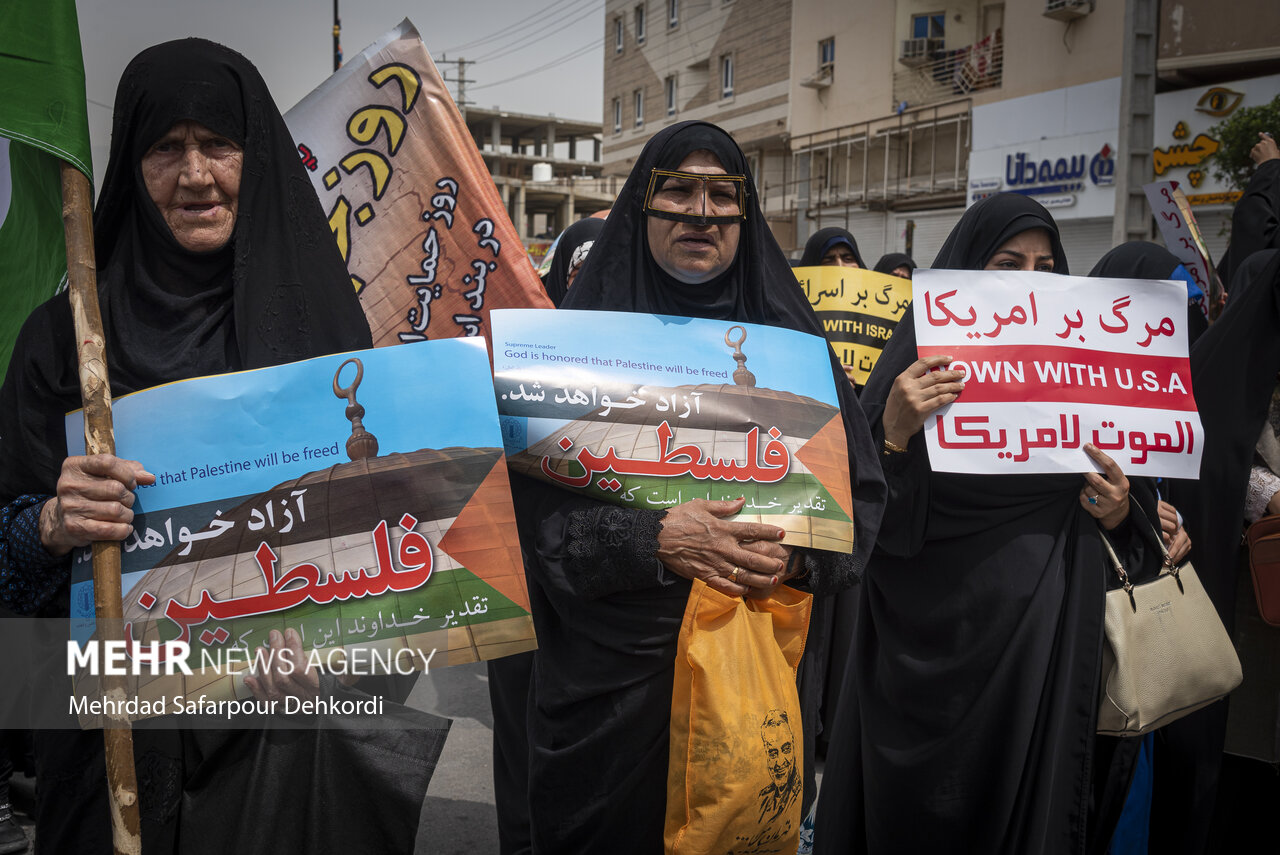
458	815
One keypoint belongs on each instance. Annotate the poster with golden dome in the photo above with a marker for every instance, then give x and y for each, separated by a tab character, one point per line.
650	411
359	499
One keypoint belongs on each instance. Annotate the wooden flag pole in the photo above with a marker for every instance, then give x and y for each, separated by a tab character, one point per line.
99	438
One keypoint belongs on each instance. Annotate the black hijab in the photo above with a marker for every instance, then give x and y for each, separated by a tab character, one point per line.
822	240
279	291
894	260
986	227
576	240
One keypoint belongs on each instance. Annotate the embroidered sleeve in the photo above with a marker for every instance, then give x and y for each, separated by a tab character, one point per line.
1263	484
612	549
29	575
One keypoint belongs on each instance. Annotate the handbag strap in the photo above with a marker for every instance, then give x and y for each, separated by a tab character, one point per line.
1147	529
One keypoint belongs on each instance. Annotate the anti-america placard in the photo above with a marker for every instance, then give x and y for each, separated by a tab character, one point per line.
650	411
1054	362
360	499
858	309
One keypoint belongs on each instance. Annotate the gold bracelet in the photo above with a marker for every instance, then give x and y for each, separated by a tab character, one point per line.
893	448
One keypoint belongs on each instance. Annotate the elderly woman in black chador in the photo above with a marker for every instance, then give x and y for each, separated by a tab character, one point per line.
967	718
609	584
834	247
213	255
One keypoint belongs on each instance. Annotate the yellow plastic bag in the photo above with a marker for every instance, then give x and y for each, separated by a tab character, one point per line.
736	768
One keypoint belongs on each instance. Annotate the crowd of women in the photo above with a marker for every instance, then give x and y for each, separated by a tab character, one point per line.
968	660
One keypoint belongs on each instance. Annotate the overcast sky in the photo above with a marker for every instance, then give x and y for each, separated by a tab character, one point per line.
291	43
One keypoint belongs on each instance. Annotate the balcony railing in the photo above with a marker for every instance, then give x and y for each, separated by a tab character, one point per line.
951	73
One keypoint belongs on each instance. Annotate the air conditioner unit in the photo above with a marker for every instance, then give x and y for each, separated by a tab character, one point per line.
1067	10
920	51
820	79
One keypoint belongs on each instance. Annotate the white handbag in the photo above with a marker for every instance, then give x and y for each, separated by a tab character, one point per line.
1166	653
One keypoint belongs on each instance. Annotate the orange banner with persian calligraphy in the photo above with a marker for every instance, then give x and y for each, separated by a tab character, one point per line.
425	234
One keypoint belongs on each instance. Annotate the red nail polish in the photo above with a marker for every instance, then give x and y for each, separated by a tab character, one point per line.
773	580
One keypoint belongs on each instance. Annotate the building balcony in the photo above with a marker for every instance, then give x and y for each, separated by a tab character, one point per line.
943	75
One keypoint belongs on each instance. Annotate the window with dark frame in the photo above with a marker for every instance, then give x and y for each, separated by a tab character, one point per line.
639	99
827	54
617	115
673	14
640	24
726	75
617	35
671	95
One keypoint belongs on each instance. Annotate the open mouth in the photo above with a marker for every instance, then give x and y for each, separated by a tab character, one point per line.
695	241
200	207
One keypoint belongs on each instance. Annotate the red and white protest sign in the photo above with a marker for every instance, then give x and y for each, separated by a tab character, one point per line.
1054	362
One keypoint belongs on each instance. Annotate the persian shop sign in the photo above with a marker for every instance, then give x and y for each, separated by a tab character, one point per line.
1075	173
1183	144
1023	175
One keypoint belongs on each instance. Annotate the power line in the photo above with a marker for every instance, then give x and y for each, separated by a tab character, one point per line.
510	28
527	39
574	54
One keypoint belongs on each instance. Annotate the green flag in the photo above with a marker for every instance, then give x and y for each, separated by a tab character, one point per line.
43	120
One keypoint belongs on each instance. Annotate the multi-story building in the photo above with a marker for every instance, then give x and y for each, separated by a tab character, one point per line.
890	118
941	103
725	61
547	169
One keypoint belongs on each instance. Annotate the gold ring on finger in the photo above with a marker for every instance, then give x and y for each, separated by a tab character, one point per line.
734	575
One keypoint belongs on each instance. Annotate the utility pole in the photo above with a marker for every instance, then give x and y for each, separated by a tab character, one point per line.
1137	122
337	38
460	70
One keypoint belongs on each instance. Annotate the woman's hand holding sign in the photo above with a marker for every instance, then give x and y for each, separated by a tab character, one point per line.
917	394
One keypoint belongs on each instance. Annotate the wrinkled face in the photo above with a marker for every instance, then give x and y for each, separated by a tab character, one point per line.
777	745
839	255
691	253
1029	250
193	176
902	272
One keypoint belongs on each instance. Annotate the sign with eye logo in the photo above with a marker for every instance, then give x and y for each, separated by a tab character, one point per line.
1183	143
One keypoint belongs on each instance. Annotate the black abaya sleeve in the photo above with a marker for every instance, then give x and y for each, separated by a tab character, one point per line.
1255	220
906	511
585	548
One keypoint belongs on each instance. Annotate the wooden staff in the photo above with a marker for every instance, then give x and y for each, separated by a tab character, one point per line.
99	438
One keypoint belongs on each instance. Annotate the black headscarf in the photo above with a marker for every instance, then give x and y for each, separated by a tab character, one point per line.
574	241
1143	260
969	704
279	291
822	240
988	225
894	260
